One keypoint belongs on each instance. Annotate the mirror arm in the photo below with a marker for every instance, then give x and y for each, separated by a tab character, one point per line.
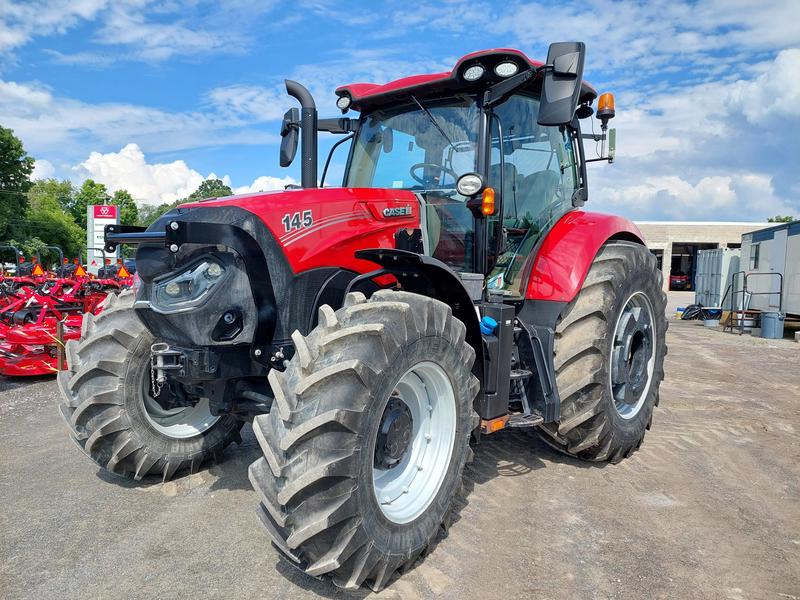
499	91
339	125
330	156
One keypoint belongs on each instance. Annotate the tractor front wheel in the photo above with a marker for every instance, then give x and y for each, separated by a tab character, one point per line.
112	413
366	442
609	356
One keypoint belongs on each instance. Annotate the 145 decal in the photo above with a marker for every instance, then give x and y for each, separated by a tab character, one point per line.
293	221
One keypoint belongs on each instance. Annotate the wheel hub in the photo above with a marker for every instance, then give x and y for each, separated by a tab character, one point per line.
414	442
394	434
632	356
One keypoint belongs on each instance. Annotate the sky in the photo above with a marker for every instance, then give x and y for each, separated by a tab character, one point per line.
154	97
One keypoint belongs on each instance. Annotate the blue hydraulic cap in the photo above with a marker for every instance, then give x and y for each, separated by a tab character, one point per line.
488	325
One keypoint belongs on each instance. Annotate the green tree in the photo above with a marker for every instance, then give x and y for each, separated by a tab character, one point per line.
128	211
15	172
780	219
46	219
62	192
148	213
89	193
211	188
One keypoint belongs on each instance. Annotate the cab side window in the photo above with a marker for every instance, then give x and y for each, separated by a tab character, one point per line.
534	169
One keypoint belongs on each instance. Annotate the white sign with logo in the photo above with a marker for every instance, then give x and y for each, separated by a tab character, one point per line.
97	217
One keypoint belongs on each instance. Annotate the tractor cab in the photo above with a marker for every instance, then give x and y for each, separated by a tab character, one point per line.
504	123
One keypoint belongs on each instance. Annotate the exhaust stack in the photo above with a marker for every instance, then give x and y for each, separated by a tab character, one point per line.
308	133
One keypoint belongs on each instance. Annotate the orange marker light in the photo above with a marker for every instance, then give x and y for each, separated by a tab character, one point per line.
493	425
605	106
487	202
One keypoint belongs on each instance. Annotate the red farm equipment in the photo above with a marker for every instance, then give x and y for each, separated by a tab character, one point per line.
453	286
40	310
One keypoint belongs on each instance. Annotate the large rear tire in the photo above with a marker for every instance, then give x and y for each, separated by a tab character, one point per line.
609	356
366	443
112	415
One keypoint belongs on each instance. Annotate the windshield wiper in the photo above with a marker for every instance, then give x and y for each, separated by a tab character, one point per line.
432	120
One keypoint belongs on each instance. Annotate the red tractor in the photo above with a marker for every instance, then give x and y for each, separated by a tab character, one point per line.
453	286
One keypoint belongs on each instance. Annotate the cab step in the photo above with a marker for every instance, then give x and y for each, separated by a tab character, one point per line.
520	374
519	421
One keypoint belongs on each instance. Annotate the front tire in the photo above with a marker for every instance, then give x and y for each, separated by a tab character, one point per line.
112	416
366	443
609	356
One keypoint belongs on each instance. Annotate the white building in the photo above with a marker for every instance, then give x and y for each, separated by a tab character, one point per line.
676	243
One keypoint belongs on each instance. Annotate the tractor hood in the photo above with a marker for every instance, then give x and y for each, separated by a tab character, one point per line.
272	255
319	227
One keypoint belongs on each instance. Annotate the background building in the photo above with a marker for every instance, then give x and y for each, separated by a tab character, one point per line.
676	243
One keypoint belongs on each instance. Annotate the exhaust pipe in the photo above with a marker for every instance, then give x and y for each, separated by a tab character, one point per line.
308	133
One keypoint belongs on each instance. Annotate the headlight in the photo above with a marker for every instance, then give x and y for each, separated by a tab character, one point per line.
343	102
506	69
189	288
473	73
469	184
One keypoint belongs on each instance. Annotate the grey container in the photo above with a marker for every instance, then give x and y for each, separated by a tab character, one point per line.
715	268
772	325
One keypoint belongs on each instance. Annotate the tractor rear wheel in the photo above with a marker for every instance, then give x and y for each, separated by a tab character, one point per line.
113	415
609	356
365	446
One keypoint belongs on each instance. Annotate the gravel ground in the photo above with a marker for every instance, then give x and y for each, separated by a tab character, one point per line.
708	508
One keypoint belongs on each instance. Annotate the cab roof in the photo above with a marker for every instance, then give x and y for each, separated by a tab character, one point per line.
371	95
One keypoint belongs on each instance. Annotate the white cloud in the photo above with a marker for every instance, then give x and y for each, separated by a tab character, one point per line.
249	102
265	183
147	183
21	21
43	169
158	182
145	30
773	94
52	125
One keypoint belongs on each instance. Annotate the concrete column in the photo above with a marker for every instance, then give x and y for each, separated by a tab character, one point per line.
666	264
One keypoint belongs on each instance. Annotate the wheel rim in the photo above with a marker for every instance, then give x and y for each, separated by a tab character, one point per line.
632	356
419	461
180	422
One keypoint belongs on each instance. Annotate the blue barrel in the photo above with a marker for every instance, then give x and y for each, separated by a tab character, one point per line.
772	325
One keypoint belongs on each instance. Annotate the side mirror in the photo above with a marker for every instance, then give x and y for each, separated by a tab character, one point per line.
561	87
290	134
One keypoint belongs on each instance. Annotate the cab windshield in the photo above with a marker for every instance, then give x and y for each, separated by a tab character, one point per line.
424	147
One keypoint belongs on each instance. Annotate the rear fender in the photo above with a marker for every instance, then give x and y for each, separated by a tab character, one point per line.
567	252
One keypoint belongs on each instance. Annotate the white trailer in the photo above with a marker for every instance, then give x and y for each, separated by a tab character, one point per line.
765	254
715	269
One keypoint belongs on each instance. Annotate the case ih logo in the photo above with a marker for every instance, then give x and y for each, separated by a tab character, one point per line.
104	211
397	211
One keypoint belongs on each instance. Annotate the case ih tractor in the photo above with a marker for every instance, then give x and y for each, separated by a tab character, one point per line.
452	287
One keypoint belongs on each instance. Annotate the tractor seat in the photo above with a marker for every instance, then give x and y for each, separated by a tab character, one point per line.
536	192
510	181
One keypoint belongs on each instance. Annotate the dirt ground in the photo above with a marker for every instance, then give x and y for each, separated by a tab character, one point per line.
708	508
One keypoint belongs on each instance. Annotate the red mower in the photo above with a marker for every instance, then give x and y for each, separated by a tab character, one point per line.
42	310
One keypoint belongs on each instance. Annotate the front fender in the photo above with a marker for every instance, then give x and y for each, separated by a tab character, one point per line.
430	277
568	250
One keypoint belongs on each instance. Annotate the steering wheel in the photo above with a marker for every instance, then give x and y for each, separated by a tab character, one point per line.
423	165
